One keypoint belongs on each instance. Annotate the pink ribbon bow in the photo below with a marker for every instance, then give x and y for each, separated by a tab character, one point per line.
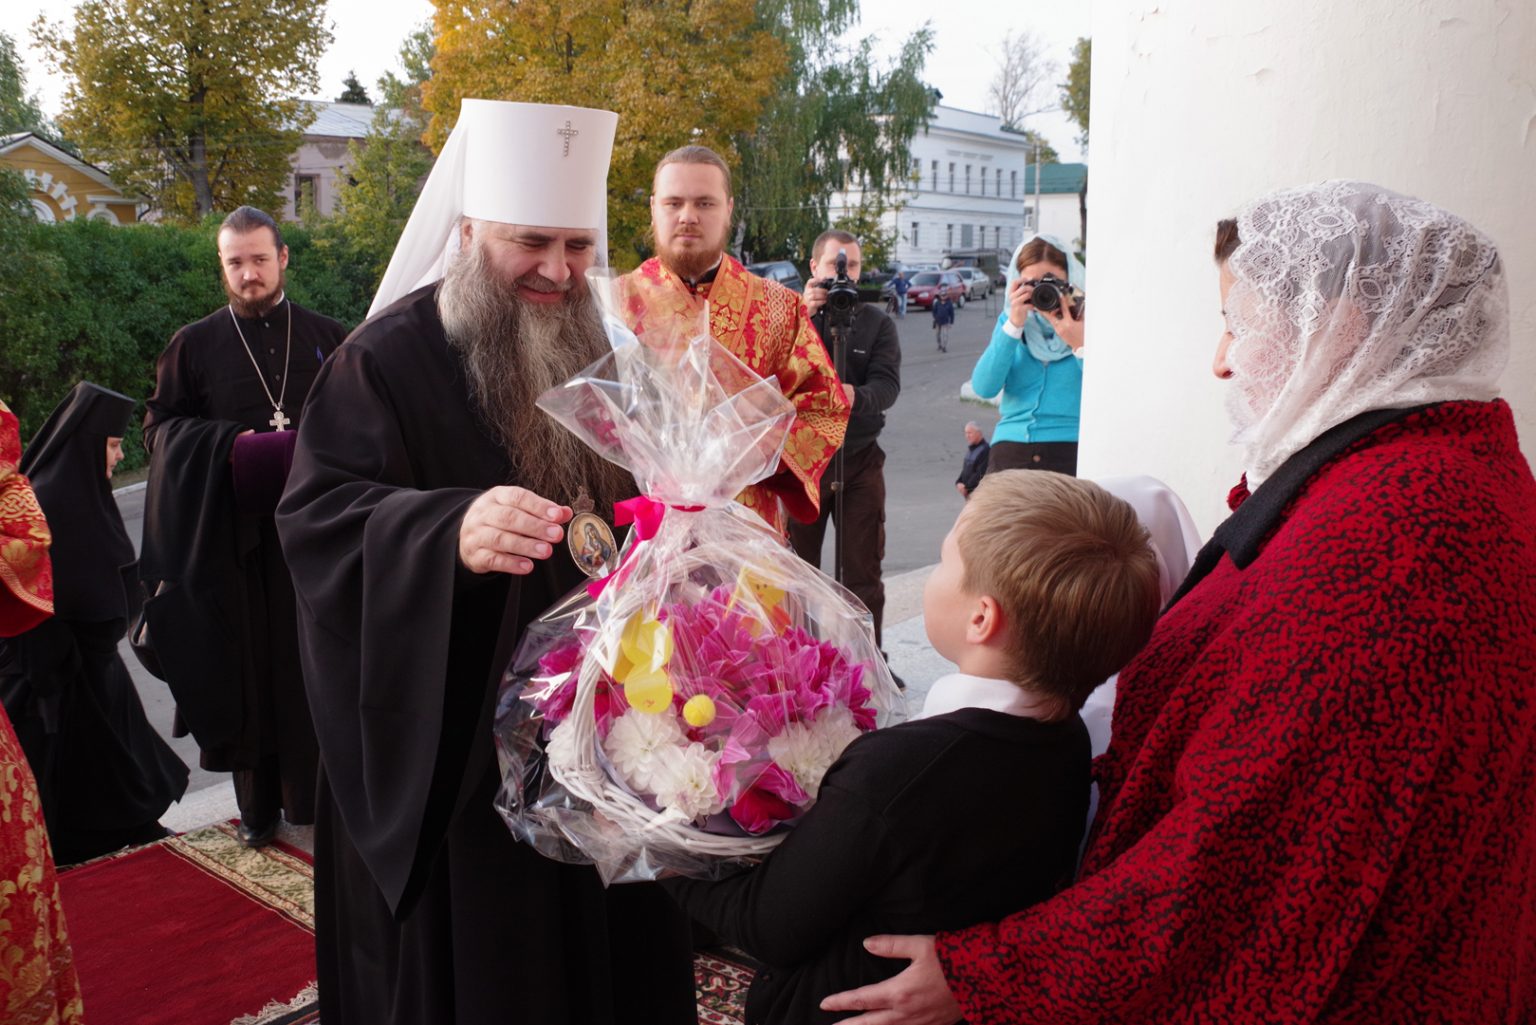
646	514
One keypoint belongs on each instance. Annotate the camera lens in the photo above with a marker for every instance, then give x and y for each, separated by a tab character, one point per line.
1046	297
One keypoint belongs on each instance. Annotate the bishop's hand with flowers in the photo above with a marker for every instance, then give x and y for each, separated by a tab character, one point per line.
677	715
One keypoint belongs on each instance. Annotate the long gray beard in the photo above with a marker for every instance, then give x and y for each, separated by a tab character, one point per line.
513	352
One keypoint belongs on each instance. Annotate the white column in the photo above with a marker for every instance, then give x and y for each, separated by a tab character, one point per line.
1199	105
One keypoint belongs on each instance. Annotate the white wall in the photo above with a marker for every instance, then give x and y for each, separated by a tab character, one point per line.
1060	215
1199	105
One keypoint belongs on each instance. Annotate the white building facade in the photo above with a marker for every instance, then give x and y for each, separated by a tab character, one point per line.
320	163
967	189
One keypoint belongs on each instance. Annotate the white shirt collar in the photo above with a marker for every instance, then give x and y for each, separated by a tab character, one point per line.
962	690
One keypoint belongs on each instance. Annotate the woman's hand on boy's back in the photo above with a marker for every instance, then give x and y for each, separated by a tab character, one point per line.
918	996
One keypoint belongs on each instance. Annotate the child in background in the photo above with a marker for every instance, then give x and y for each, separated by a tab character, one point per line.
943	317
1046	586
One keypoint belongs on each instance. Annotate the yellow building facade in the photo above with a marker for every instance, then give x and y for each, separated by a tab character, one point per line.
64	187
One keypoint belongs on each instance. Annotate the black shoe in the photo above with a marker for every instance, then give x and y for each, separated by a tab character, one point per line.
256	836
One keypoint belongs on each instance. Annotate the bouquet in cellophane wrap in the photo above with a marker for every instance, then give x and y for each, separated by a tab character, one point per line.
677	715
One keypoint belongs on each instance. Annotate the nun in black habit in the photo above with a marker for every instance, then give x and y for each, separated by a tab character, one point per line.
104	775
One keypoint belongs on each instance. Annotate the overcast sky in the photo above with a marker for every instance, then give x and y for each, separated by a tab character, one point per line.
368	35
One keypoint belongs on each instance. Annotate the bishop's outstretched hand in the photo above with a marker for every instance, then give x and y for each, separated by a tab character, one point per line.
507	528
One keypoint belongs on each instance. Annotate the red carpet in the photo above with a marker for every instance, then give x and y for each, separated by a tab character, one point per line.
194	930
197	930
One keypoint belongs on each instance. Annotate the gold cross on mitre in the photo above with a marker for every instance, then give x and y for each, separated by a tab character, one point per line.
569	133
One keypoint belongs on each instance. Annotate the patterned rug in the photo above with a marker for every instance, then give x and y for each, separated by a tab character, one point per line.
198	930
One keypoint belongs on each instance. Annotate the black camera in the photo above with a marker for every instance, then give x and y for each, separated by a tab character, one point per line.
1047	293
842	294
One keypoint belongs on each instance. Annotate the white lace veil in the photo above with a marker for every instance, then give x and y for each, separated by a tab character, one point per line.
1347	298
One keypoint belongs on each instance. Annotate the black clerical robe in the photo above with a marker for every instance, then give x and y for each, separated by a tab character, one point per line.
427	910
103	773
220	604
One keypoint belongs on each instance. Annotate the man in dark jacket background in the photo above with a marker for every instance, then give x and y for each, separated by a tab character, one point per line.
871	374
976	454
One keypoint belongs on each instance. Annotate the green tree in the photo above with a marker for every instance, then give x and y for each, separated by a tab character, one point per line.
866	222
387	170
354	91
19	112
839	119
1039	148
189	103
1074	91
676	72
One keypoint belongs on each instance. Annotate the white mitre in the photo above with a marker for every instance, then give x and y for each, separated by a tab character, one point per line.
537	164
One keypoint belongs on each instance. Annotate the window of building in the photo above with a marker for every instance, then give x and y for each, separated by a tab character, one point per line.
914	234
999	181
965	236
950	230
951	176
1029	218
997	236
306	193
1013	184
967	179
935	176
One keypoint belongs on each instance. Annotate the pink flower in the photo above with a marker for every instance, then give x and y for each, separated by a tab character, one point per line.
772	798
553	689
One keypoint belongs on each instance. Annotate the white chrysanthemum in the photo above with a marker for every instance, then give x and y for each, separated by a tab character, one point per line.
808	751
560	748
686	781
636	744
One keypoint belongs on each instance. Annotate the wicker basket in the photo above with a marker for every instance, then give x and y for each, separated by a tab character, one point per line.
587	780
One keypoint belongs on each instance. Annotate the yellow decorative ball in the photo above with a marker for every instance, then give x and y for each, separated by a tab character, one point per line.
699	710
646	642
649	692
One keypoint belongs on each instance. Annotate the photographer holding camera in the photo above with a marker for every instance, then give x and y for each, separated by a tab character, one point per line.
1035	360
862	342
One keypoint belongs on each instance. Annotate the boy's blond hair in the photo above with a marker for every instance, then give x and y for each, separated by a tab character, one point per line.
1073	572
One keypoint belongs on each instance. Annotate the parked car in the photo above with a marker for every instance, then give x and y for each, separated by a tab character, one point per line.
977	280
781	271
930	283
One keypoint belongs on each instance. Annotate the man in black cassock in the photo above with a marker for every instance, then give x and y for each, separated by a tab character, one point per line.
229	394
423	523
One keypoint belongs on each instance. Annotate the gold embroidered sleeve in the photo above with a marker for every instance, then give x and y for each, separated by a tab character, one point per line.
821	416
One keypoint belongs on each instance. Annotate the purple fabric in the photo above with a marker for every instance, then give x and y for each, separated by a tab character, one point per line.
260	464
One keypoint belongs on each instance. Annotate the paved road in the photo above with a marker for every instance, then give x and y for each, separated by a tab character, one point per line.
924	442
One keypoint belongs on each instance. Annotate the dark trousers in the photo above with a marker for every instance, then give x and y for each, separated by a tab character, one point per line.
1057	456
864	539
259	793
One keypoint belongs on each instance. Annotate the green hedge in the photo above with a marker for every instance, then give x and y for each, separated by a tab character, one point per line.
84	300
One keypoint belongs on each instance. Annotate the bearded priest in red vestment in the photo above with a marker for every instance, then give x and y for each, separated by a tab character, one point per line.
761	322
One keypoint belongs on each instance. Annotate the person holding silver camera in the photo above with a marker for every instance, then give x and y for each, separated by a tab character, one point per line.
861	341
1035	360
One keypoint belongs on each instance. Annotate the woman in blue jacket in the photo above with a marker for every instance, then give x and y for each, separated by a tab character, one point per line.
1035	361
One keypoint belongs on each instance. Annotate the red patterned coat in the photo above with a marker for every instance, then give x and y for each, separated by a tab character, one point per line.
1320	799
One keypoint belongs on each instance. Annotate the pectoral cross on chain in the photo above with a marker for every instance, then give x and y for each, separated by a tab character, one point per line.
280	420
569	133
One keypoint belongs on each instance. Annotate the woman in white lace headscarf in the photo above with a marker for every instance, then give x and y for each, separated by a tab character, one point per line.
1316	802
1343	297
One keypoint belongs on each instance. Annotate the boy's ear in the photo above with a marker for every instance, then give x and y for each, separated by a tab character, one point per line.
985	623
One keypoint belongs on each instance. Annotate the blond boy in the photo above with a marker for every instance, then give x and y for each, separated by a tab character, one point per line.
1046	586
